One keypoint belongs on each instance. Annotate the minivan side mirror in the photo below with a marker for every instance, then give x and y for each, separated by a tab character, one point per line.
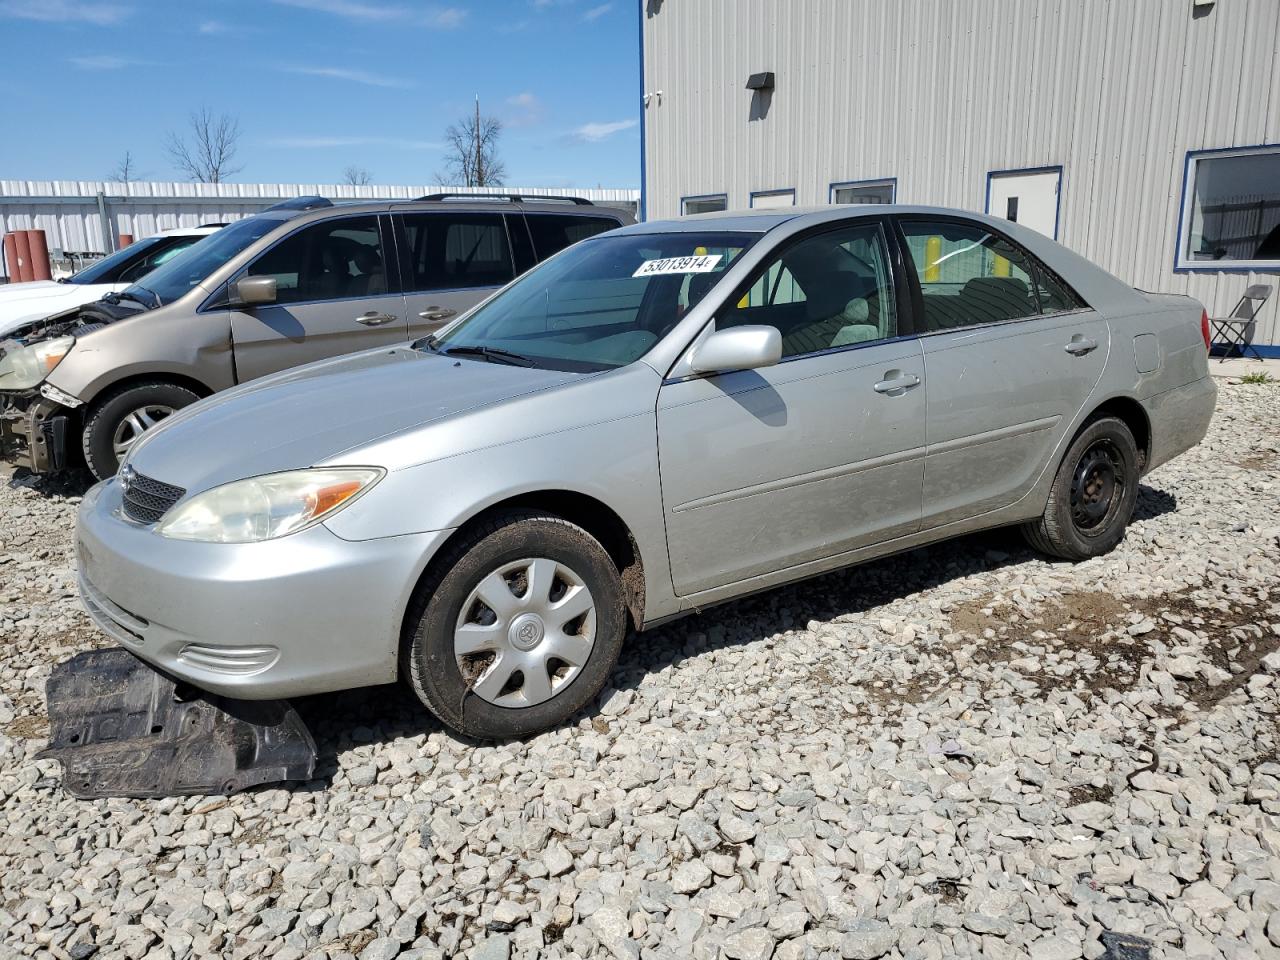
252	291
738	348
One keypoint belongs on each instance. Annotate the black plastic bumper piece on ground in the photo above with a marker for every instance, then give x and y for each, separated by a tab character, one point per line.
1124	946
121	729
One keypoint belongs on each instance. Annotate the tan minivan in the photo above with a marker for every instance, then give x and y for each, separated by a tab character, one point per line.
301	281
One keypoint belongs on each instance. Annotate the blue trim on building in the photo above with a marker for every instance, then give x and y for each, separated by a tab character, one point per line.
1269	350
751	199
644	160
892	181
1211	266
1052	168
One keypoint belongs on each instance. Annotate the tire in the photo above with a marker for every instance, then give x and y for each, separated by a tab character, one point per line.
544	563
109	421
1093	494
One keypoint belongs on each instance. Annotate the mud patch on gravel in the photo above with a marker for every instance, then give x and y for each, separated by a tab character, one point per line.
30	727
1263	460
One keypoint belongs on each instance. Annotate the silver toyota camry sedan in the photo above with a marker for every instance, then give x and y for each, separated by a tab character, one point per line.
657	419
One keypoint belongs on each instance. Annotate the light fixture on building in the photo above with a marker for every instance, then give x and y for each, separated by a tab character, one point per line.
760	81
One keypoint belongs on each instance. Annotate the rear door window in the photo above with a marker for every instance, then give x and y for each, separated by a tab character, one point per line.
970	275
453	251
552	232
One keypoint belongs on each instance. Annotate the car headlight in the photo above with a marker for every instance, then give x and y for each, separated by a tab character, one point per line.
267	507
28	366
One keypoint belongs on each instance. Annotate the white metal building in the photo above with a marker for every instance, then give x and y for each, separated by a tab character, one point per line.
89	216
1144	134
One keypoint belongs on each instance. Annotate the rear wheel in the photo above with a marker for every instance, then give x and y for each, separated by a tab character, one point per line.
518	630
1093	494
117	421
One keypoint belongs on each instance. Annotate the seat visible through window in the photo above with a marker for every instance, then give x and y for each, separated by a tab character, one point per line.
827	291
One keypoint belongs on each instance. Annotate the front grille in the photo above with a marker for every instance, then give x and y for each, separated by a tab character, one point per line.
147	500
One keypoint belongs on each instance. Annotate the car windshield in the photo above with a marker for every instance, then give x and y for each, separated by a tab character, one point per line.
175	277
601	304
104	270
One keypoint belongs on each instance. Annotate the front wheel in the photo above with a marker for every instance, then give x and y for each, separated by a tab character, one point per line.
1093	494
519	628
117	421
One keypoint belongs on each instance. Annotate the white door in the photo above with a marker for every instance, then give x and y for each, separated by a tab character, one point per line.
1029	198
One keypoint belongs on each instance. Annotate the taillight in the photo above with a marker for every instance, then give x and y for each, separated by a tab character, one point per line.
1204	330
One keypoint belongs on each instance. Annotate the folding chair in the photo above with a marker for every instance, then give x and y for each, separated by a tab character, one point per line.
1232	329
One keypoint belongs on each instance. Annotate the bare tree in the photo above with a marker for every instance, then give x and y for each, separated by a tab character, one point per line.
126	171
357	176
208	155
471	152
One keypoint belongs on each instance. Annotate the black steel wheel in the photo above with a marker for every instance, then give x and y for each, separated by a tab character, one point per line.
1092	496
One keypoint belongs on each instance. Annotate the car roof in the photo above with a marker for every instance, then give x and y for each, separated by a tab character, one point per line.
481	204
762	221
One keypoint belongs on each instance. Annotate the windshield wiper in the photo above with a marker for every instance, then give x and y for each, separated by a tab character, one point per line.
492	354
126	295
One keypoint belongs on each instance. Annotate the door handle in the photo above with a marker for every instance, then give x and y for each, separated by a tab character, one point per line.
375	319
892	384
437	313
1079	346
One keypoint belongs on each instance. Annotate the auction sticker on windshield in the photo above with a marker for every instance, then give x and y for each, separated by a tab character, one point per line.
653	268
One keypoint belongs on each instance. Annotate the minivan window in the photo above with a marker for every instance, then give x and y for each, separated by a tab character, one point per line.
603	303
452	251
331	260
552	232
176	278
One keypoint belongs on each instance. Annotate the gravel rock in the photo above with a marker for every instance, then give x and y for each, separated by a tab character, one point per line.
957	752
867	939
753	944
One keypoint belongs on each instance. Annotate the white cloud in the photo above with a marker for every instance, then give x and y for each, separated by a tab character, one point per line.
353	76
524	110
595	132
445	18
65	11
104	61
349	8
326	143
211	27
595	13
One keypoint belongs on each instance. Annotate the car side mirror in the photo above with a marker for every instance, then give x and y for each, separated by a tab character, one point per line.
252	291
738	348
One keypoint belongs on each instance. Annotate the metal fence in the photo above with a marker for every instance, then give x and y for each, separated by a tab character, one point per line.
83	219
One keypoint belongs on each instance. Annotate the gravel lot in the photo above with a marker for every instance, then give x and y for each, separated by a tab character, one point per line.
962	751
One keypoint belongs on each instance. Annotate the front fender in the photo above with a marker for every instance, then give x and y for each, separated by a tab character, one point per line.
614	462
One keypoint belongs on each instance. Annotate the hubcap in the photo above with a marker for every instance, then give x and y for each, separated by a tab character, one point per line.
1096	487
525	632
135	424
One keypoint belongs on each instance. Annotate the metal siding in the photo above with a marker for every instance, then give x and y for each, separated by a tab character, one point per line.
938	93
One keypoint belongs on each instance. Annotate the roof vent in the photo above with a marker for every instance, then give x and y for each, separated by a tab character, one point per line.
760	81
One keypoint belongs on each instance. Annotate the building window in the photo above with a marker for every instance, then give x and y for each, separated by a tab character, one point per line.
709	204
1231	210
865	191
768	199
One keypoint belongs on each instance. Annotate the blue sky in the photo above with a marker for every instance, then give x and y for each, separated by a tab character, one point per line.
318	85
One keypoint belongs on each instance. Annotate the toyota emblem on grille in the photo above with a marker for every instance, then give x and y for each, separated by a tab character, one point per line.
127	474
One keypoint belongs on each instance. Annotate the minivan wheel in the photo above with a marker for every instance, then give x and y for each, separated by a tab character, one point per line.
518	629
1093	494
116	421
